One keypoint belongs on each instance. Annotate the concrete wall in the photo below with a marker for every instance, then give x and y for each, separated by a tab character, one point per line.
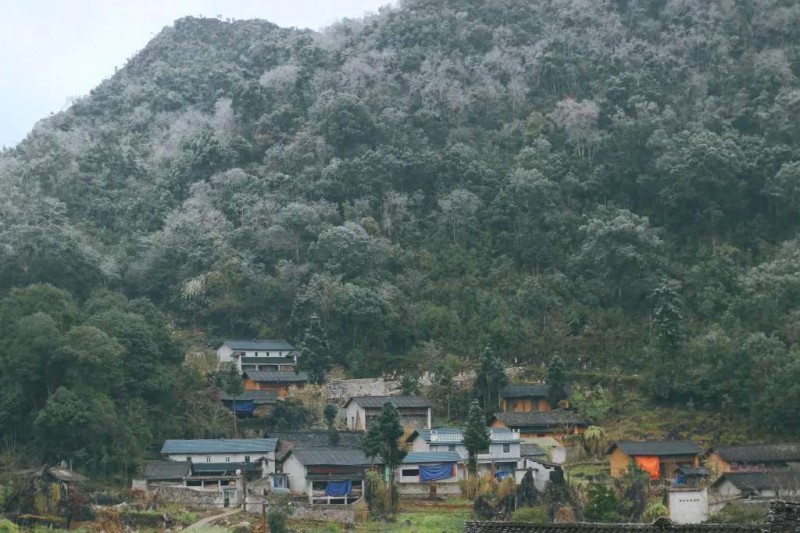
688	506
296	472
194	498
424	489
340	514
355	417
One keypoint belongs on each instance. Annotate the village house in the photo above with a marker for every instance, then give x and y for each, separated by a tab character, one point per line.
250	402
557	423
277	382
430	474
223	457
273	355
660	459
414	411
51	489
503	457
754	457
524	398
328	476
755	487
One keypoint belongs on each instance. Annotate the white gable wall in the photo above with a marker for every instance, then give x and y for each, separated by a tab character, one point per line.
688	506
296	472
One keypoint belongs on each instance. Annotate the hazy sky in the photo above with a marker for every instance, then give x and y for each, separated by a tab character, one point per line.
54	50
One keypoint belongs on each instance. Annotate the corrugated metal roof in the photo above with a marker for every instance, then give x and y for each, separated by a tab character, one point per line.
540	419
760	453
331	457
269	376
658	448
400	402
258	344
166	470
199	446
431	457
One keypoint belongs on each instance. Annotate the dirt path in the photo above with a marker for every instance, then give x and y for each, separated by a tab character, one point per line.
214	518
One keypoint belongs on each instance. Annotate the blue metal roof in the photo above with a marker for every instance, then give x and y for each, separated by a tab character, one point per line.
198	446
257	344
431	457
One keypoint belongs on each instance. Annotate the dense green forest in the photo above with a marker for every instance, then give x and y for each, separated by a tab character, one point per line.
611	181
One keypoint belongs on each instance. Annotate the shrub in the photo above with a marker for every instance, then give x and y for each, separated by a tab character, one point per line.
654	511
474	486
602	505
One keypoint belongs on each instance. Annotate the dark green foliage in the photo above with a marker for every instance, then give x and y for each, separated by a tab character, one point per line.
229	380
382	442
331	412
315	352
279	508
490	379
476	435
527	495
288	415
602	504
556	381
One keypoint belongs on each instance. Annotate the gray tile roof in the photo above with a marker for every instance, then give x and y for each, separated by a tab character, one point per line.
209	469
657	448
553	418
531	450
256	396
331	457
760	453
431	457
756	481
525	390
166	470
318	439
213	446
257	344
269	376
400	402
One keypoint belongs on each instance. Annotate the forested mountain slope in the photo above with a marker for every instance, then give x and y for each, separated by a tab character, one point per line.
617	182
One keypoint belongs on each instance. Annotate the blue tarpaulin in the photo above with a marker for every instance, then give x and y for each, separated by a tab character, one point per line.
244	406
339	488
435	472
501	474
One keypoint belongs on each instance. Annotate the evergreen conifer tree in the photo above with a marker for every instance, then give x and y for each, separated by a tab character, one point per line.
556	381
315	352
490	379
476	435
383	441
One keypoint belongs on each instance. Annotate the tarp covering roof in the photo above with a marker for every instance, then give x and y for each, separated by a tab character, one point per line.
199	446
258	345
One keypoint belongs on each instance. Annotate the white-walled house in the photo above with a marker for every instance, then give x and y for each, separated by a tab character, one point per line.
326	475
430	473
360	411
503	455
214	455
753	486
259	355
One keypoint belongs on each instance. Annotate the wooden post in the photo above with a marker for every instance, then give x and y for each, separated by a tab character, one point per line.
264	514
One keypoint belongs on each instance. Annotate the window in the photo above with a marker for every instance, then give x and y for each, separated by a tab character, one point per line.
208	459
451	448
409	472
506	448
246	458
227	459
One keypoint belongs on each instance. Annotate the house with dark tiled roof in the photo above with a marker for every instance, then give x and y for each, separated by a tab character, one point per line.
753	457
277	382
267	355
525	398
555	423
328	476
414	411
753	486
246	403
661	459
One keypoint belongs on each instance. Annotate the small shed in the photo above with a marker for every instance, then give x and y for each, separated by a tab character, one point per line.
660	459
277	382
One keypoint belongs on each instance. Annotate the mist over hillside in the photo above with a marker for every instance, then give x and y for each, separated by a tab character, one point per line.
613	182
